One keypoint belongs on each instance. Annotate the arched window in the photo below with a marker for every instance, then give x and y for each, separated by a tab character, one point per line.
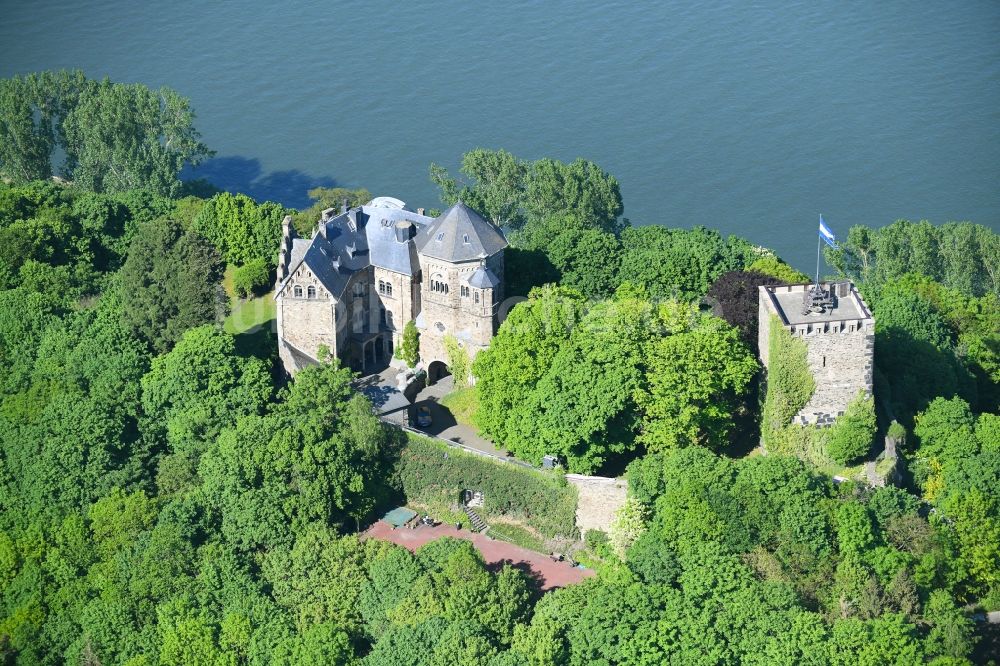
437	285
311	292
297	291
388	289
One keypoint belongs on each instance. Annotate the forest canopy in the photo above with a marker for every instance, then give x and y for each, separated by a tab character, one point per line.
167	496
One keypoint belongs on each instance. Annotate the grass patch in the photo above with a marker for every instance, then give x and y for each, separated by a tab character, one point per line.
246	314
462	404
517	536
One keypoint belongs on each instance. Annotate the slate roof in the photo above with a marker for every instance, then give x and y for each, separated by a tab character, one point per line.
361	237
483	278
460	234
386	251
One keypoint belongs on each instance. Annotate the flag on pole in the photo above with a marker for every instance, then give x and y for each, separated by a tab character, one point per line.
826	234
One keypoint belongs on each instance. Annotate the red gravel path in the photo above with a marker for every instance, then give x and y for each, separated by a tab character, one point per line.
552	574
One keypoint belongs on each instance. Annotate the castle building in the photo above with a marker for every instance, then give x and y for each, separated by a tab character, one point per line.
839	332
368	271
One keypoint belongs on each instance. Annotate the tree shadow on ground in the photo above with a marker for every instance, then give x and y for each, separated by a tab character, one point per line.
259	342
378	394
536	582
235	173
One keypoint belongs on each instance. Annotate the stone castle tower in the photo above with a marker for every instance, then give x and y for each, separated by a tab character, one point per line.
462	268
353	286
839	332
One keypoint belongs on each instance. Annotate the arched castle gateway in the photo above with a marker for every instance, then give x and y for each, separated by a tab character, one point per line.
366	272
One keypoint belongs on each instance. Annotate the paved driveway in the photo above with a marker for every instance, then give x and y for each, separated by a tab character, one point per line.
391	405
444	424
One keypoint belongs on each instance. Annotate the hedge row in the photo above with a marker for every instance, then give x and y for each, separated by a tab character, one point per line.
432	472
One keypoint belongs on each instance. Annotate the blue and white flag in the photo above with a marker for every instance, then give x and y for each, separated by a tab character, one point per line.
826	234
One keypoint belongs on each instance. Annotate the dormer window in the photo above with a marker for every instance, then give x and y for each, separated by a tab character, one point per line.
297	291
311	292
440	237
465	238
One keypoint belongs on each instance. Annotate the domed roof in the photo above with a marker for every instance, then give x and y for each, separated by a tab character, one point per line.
460	234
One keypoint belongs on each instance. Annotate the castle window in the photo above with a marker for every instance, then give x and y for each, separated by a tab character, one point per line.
297	291
476	299
388	289
381	287
311	292
824	361
465	291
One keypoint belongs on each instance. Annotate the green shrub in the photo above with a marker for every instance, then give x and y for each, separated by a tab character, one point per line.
408	350
431	472
595	539
250	278
850	437
458	361
896	431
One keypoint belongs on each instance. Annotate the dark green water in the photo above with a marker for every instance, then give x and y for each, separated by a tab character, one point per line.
751	117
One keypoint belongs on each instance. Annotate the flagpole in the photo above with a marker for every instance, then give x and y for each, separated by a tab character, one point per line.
817	254
817	261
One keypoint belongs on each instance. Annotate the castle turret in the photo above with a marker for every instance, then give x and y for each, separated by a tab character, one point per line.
461	260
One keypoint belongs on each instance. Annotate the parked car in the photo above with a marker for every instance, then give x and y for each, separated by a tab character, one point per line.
424	419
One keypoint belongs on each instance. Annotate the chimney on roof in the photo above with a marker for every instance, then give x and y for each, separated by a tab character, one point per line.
420	211
343	206
327	214
404	231
336	263
287	233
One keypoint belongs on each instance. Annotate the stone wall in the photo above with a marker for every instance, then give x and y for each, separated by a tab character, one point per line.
599	499
399	305
307	324
841	364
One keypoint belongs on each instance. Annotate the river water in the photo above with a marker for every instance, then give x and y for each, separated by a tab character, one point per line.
750	117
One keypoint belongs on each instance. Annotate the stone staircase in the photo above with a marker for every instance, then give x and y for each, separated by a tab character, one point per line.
478	524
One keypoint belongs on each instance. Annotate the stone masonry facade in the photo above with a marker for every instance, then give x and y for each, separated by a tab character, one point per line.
839	338
365	273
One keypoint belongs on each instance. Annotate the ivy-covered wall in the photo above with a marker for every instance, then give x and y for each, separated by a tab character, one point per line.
789	382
